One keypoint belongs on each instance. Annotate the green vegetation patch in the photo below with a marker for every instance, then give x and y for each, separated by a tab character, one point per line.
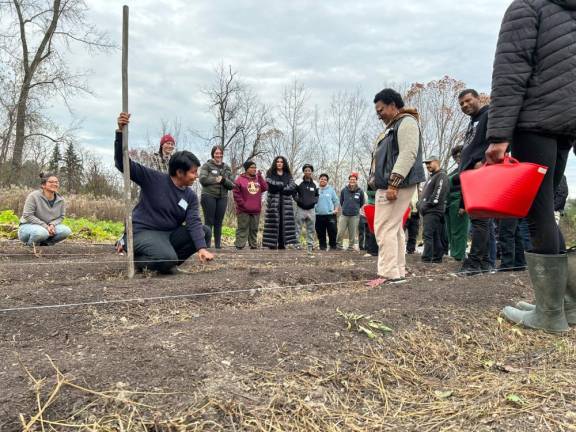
82	228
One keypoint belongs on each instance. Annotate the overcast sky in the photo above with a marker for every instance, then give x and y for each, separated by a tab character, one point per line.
329	46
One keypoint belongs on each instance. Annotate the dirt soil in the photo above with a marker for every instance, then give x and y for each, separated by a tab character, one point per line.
254	341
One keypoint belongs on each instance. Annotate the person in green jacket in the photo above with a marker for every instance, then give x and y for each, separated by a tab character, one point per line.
457	222
216	180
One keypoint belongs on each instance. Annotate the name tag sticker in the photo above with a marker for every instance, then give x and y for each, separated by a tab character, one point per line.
182	203
381	199
311	189
214	172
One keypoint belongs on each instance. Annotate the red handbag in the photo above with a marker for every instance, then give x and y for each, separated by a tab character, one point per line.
504	190
370	213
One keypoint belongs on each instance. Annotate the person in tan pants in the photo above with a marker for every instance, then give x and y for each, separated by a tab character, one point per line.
395	173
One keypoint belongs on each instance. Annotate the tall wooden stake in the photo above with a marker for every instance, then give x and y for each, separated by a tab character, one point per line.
126	157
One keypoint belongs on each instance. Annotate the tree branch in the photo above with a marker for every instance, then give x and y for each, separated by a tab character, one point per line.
86	41
22	27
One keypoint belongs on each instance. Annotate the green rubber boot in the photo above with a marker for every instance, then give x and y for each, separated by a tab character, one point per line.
570	297
548	274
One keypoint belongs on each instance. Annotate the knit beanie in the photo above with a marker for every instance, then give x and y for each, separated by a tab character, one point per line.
248	164
166	138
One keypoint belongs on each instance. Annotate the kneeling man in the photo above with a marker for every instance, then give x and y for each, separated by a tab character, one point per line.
161	240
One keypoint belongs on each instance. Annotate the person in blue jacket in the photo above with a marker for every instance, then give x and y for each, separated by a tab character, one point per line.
327	209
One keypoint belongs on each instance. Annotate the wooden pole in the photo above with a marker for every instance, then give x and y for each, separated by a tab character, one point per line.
126	156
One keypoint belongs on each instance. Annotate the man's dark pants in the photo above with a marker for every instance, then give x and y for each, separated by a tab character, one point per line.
478	257
362	230
412	227
326	224
162	250
433	231
511	245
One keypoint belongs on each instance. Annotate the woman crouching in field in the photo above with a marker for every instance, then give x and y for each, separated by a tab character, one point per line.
41	221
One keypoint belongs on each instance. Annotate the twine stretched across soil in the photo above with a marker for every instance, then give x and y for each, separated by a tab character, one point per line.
222	292
480	374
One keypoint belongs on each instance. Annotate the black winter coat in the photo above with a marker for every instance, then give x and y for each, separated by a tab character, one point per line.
534	76
475	143
435	194
306	194
279	211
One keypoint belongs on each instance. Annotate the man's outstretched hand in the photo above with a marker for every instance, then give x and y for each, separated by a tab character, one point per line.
123	120
205	256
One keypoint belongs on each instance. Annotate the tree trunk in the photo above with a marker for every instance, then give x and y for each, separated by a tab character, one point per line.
18	151
42	53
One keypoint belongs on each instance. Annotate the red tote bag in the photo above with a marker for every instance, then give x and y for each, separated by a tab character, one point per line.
504	190
370	213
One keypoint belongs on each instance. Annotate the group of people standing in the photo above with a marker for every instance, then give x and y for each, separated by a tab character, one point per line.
532	114
447	227
295	204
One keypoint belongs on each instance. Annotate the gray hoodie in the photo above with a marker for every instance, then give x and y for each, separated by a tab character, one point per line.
37	210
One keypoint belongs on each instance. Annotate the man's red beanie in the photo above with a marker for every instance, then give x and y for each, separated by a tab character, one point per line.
353	174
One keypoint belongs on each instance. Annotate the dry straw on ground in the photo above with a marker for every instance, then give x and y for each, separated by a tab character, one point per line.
469	373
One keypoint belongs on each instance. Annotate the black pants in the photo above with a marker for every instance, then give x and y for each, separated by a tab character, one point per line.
511	245
525	233
366	238
362	230
412	228
552	152
432	233
371	243
214	210
479	256
326	224
444	236
162	250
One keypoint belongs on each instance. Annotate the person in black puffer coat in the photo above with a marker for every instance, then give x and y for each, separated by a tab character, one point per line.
279	222
533	111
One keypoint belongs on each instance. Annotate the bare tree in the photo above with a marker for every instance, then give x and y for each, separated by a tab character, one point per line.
335	135
319	152
224	95
254	125
294	124
45	30
442	122
371	129
98	179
